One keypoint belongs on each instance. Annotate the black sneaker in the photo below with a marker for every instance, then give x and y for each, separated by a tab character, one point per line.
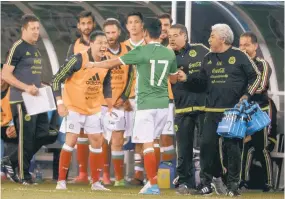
9	169
182	189
200	186
28	182
175	182
233	193
268	188
205	191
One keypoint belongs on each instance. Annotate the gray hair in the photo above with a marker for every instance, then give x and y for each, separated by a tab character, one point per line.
225	32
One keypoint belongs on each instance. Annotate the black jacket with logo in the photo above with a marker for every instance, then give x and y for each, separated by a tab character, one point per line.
226	77
189	59
261	95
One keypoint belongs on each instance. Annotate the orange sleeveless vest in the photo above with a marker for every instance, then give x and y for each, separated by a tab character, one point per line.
79	47
119	75
83	91
6	114
128	43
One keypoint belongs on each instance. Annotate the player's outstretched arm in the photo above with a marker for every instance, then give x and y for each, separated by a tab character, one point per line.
173	78
107	64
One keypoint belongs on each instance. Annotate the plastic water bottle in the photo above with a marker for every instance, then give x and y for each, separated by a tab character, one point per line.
39	174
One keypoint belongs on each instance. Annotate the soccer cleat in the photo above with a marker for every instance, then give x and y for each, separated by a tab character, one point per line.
106	179
205	191
120	183
146	186
9	169
182	189
219	187
81	179
97	186
28	182
150	190
136	182
233	193
61	185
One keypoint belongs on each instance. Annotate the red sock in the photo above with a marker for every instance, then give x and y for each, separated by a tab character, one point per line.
118	161
64	161
82	155
96	163
150	165
106	159
157	155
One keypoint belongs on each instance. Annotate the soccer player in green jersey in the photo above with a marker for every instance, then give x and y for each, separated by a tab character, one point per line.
154	64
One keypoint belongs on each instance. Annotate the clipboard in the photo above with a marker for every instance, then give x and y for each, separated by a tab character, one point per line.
43	102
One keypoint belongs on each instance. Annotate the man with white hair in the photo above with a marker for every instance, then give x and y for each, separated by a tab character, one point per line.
229	76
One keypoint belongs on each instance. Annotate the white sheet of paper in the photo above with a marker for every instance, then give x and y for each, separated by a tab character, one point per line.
41	103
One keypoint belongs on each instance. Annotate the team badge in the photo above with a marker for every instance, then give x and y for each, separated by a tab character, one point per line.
27	117
71	126
193	53
232	60
175	128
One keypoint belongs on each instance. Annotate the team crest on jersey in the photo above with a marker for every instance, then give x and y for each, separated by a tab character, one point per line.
175	128
192	53
232	60
27	117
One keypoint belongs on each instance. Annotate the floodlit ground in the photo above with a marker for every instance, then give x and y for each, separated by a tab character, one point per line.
47	191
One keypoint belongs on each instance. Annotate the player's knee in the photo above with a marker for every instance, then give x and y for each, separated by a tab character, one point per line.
95	140
118	142
166	140
71	139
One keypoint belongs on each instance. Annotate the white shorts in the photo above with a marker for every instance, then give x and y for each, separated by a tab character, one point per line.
130	119
148	124
74	121
169	127
120	122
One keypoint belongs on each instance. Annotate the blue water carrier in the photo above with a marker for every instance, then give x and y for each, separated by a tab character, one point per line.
166	174
233	124
257	119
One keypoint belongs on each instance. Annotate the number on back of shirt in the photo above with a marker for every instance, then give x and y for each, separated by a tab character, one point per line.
154	64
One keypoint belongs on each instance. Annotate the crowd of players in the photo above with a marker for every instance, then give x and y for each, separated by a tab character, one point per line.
153	90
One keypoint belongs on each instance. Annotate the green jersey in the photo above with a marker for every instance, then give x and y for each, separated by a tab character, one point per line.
154	63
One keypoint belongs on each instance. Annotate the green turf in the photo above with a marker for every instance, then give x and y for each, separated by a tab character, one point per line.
47	191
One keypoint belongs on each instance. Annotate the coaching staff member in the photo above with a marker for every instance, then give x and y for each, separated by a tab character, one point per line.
261	143
229	76
22	71
188	104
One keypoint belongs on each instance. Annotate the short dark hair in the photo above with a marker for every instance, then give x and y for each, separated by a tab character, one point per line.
95	34
28	18
165	16
135	14
251	35
85	14
153	27
182	29
112	21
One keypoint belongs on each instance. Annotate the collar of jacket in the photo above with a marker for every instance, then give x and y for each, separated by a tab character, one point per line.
91	57
183	50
